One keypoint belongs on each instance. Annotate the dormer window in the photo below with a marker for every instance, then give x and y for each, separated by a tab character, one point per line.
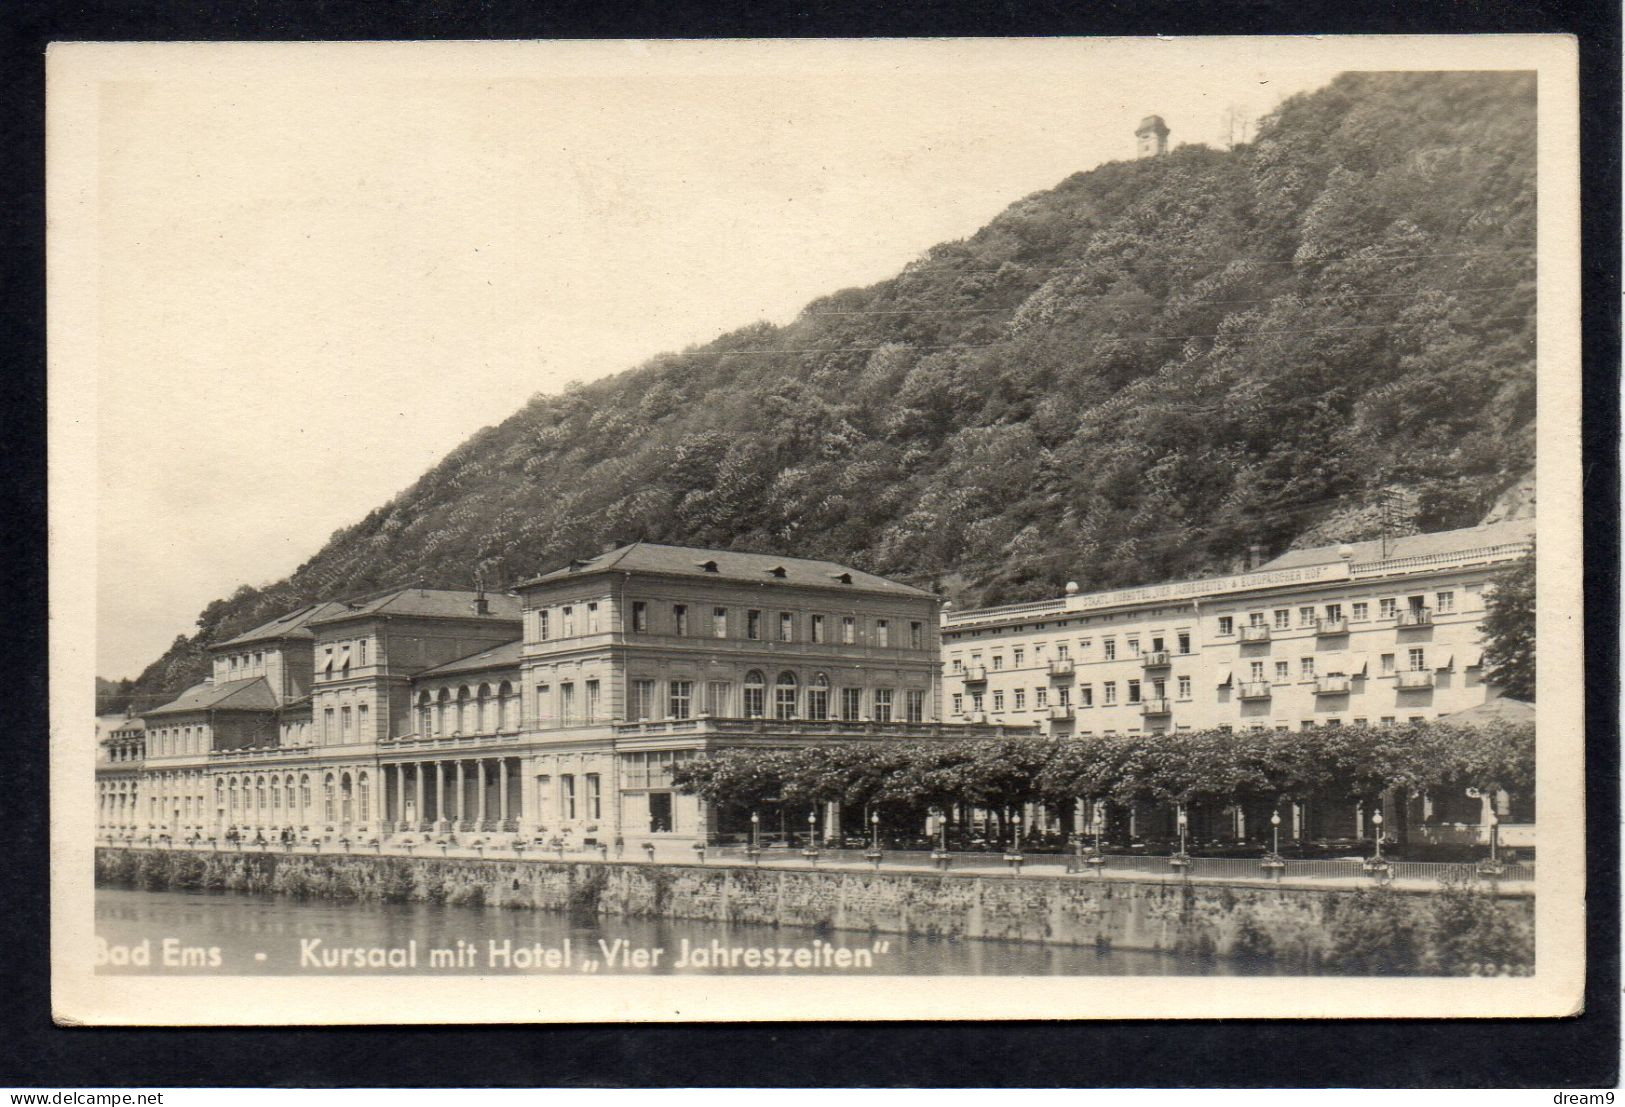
708	566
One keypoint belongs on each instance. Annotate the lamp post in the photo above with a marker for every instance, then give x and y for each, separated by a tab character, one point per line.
1273	862
755	850
1014	858
1096	858
940	855
1376	865
873	855
1492	866
811	852
1182	859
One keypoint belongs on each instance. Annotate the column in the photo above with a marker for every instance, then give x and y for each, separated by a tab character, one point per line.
417	784
462	795
479	768
502	790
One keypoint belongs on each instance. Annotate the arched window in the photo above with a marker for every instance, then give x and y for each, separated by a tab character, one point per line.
784	696
304	793
818	697
485	720
363	787
425	714
259	793
510	706
327	798
231	804
276	794
442	710
346	796
219	792
755	695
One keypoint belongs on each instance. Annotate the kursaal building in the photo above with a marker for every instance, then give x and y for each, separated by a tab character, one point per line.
559	711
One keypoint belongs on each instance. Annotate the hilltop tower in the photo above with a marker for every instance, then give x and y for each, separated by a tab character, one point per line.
1151	137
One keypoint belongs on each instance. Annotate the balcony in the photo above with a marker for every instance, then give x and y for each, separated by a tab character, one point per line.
1415	617
1060	711
1159	706
1061	667
1333	684
1156	659
975	674
1253	690
1409	680
1250	635
1329	626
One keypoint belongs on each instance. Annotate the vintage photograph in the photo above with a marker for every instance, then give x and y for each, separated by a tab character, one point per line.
666	530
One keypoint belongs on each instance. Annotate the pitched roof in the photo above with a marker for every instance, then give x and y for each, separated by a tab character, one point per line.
1500	709
291	625
434	603
754	568
1411	545
505	656
253	694
107	725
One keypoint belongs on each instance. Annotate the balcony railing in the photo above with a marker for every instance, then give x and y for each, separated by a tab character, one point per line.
1060	711
1255	634
1415	617
1158	706
1061	667
975	674
1156	659
1332	684
1254	690
1329	626
1409	679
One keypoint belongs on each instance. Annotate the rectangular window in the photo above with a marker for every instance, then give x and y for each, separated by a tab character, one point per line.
1387	663
567	796
882	633
593	700
1387	720
1061	652
719	622
567	618
1133	647
681	699
849	630
719	698
1133	691
959	703
784	701
753	625
327	725
679	618
1306	668
1019	702
916	637
1110	646
1360	611
998	661
544	705
817	628
541	625
1387	608
1416	656
1110	690
1334	611
1283	618
787	627
1444	602
1283	672
595	801
1255	671
363	720
998	703
361	649
914	705
567	702
640	616
755	698
1184	642
346	723
818	702
1018	657
1086	695
592	618
1184	687
660	817
1255	618
1227	625
1063	696
1041	697
643	701
1306	616
852	704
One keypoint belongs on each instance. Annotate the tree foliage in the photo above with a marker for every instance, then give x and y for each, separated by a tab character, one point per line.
1509	631
1132	376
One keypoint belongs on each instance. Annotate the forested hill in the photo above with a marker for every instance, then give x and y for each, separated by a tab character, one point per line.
1132	376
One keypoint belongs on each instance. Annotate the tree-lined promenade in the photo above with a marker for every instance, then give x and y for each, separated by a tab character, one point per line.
1204	773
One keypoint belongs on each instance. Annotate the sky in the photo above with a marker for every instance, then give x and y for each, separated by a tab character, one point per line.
321	269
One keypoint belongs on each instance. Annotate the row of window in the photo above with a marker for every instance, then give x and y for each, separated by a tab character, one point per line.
170	741
337	656
1359	611
1063	650
789	700
346	725
787	626
591	795
484	712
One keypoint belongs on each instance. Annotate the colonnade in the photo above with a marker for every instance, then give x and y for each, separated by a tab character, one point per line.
454	794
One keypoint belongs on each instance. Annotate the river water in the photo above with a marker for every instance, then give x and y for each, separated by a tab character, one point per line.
226	933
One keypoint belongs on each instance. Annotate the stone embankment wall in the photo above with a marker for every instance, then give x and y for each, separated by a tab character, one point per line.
1452	930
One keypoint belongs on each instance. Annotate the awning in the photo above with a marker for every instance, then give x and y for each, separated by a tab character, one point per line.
1224	676
1444	663
1473	657
1358	663
1328	663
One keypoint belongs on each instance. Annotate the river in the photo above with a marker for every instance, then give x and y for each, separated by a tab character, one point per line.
230	933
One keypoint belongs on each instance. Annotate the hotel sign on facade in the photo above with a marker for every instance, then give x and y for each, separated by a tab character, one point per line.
1197	589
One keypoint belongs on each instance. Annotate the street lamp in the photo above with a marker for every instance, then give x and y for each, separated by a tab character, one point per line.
1273	861
1182	859
1014	858
811	852
940	854
1376	865
1493	866
874	840
1096	858
755	850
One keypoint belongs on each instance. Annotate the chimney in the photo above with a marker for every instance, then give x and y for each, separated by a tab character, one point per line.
1255	556
481	606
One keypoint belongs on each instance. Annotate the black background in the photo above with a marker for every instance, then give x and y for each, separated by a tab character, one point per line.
1569	1053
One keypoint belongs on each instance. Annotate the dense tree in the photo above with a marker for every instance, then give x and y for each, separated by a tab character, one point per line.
1509	631
1134	375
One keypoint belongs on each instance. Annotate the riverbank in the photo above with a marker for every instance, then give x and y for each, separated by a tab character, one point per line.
1455	929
